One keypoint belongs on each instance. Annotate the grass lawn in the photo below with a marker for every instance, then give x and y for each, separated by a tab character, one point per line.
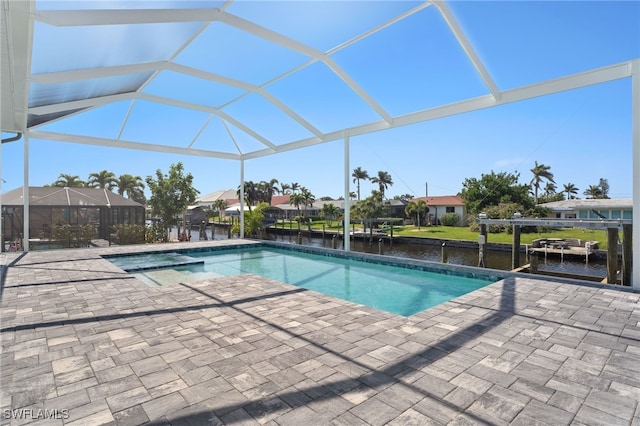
456	233
459	233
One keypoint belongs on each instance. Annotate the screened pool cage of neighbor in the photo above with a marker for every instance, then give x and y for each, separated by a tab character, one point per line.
240	80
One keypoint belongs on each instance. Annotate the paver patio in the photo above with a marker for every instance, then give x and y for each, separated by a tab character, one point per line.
87	343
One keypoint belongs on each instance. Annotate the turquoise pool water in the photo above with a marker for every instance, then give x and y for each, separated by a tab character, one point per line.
393	289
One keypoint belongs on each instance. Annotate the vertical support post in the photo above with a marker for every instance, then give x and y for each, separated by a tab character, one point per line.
445	254
626	254
482	242
515	249
612	255
1	213
635	161
347	197
25	193
533	262
241	199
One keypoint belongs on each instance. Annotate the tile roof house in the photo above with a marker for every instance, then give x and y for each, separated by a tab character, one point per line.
439	205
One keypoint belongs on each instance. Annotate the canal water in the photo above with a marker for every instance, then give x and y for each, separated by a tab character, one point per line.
456	255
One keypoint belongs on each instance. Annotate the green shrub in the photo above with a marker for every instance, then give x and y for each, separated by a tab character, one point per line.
130	234
450	219
73	236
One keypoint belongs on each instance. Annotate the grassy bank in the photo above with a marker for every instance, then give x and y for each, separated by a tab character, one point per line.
459	233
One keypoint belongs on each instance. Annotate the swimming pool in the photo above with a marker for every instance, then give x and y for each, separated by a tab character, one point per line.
400	289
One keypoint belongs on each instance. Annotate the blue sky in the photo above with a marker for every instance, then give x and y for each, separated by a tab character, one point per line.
583	134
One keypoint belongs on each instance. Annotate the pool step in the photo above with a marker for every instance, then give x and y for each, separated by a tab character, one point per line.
171	276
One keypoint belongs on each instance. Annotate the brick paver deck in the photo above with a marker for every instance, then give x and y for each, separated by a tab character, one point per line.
86	343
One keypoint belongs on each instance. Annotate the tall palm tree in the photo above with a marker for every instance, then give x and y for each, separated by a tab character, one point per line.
103	179
295	186
540	171
571	190
358	175
69	181
383	180
131	186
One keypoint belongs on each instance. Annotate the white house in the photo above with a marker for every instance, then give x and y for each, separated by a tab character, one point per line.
608	208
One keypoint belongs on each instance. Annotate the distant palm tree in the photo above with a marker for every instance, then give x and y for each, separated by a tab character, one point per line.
219	205
69	181
550	189
269	189
295	186
307	197
329	212
358	175
285	188
593	191
571	190
383	180
131	186
250	193
296	200
540	171
417	208
103	179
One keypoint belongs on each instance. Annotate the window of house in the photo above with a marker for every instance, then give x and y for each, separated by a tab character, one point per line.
451	209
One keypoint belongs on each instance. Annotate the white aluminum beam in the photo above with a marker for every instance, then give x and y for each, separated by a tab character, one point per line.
295	45
456	29
82	103
68	18
635	159
101	72
347	196
63	137
16	25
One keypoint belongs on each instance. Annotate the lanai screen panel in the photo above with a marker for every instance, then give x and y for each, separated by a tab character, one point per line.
242	79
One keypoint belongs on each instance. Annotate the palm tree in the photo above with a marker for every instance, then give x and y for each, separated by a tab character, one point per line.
103	179
294	186
417	208
593	191
219	205
571	190
540	171
251	193
285	188
307	197
269	188
359	174
69	181
383	180
550	189
329	212
296	200
131	186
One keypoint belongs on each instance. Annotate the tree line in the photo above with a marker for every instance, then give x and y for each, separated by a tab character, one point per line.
126	185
